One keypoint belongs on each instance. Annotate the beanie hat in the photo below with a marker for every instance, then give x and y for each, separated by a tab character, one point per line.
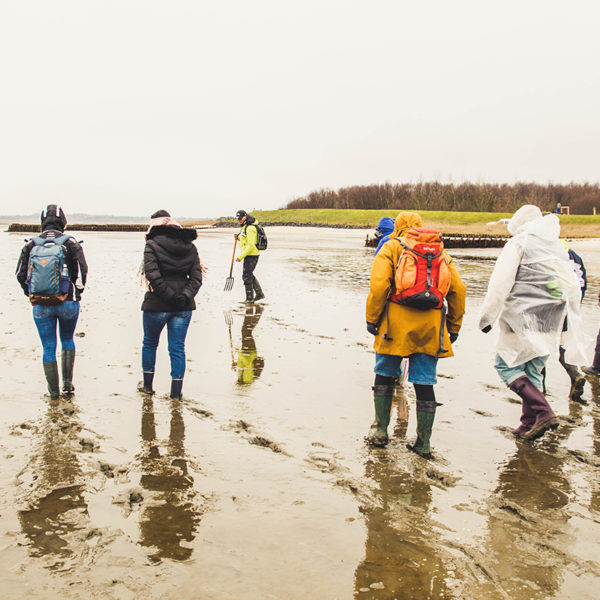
53	217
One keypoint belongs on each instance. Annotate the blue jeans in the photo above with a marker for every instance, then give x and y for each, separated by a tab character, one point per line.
45	318
422	368
177	325
531	369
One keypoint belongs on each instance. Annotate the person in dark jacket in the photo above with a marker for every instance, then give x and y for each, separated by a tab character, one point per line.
63	312
173	272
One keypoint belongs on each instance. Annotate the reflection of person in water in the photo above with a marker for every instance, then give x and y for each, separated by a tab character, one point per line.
171	517
401	550
60	508
249	364
529	519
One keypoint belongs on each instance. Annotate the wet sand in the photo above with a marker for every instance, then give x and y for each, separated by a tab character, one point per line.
259	484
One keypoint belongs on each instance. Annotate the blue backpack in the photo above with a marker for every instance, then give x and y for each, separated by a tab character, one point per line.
47	271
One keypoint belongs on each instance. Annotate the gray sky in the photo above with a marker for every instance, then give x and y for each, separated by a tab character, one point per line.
123	106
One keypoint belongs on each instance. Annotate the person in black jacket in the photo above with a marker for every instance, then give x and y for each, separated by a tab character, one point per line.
63	312
172	269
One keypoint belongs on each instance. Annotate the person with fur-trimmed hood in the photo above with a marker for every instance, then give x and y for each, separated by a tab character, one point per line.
173	274
533	291
60	309
402	331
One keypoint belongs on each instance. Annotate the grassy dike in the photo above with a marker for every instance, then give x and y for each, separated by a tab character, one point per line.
445	221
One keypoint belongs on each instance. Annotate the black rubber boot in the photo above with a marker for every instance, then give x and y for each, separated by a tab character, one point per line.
382	398
577	379
257	290
51	373
67	360
145	387
249	293
176	385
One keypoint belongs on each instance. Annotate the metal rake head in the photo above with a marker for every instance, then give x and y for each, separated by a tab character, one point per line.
228	284
228	317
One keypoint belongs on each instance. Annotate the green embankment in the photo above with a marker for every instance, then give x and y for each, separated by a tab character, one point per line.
370	218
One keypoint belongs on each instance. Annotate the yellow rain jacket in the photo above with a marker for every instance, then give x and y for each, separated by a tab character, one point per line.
248	237
404	330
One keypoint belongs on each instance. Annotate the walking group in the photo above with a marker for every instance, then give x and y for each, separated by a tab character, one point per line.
414	309
416	305
52	271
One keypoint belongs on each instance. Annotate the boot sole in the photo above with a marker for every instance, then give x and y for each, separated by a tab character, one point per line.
539	430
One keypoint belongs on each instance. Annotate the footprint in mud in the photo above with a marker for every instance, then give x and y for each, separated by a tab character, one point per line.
442	480
21	428
202	413
258	440
129	498
243	427
482	413
324	459
239	426
490	387
88	445
446	376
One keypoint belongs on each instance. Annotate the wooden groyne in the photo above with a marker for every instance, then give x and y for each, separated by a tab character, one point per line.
460	240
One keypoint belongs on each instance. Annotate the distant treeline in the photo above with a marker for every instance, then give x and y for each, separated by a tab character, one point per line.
484	197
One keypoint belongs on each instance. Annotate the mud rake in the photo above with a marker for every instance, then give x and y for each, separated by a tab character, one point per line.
229	281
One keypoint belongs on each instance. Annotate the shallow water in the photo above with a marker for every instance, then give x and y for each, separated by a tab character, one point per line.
259	485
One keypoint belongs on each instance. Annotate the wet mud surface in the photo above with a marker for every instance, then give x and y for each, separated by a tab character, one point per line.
259	484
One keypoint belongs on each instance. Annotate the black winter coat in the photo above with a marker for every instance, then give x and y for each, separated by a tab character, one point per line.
74	256
172	267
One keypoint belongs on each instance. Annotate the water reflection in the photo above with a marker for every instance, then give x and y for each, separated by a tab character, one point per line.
594	383
249	364
60	508
402	558
528	525
170	515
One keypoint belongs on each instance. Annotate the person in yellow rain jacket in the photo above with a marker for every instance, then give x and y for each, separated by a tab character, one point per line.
401	331
249	253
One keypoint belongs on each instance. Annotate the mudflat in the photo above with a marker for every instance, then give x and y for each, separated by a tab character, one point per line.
258	484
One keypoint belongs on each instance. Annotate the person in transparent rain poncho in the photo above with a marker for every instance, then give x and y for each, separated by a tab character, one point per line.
531	292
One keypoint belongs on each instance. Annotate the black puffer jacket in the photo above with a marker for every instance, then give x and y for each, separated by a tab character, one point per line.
172	267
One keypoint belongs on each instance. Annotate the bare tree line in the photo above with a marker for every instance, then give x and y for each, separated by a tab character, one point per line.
482	197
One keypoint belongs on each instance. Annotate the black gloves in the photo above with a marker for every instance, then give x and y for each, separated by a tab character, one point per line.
487	328
453	337
372	328
180	302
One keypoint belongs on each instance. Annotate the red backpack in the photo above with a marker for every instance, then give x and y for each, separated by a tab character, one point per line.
422	277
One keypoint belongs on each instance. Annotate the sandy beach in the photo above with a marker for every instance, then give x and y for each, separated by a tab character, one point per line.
259	483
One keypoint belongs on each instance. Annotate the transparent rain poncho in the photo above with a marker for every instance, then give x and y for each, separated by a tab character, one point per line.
532	290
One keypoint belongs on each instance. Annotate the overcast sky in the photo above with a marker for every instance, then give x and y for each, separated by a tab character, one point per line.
124	106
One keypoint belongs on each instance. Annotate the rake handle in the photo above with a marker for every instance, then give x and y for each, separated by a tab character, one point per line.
232	257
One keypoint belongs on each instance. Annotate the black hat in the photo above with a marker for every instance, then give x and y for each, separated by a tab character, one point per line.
53	217
240	214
